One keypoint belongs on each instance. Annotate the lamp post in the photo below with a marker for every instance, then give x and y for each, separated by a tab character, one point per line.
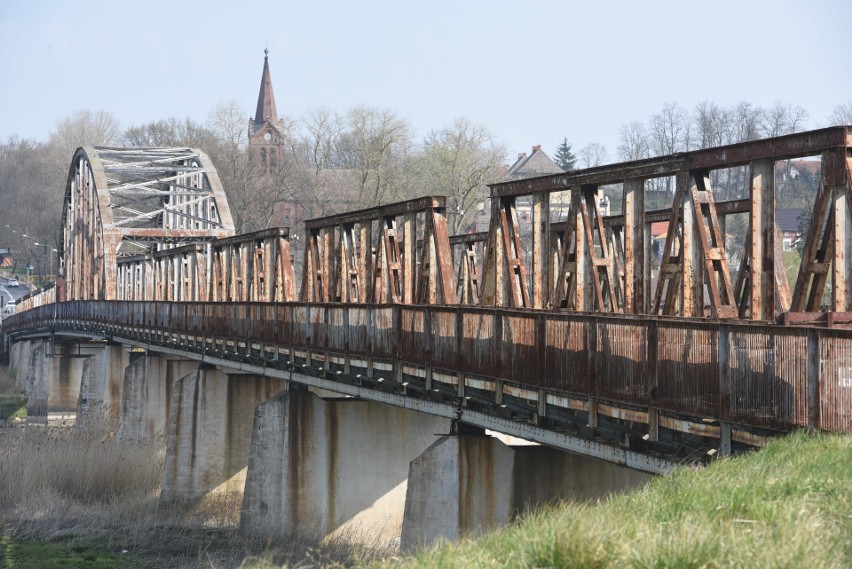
50	251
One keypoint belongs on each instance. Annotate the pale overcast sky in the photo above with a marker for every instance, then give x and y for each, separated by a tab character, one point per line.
534	72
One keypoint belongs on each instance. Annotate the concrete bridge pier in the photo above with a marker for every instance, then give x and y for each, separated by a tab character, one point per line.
146	397
19	353
50	373
323	467
209	432
101	386
467	484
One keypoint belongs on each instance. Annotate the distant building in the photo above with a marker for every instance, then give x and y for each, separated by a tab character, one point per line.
265	130
538	163
787	222
267	146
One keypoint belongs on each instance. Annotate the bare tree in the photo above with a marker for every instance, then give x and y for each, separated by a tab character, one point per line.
781	119
314	144
170	132
634	141
375	146
96	128
711	124
746	122
458	161
31	199
669	130
254	191
842	114
593	154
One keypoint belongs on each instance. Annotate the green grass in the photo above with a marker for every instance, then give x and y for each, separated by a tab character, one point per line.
68	552
13	406
789	505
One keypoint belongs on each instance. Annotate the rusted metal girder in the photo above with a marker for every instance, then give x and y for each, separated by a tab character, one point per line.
363	256
467	274
134	201
588	248
796	145
253	267
694	277
504	281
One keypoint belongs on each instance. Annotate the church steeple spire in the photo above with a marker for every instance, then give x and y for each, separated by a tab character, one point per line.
265	99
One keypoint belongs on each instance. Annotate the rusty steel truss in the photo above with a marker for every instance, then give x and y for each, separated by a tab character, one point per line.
570	327
253	267
122	202
126	208
597	263
394	253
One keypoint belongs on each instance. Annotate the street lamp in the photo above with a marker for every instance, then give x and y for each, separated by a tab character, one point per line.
50	251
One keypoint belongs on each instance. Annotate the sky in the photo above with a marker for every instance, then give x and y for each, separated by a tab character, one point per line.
533	72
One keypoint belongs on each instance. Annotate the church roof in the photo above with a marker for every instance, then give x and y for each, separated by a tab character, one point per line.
266	99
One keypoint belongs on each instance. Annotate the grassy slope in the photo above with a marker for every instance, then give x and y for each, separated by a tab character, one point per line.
789	505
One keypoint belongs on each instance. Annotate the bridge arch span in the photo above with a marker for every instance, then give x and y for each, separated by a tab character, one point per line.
121	202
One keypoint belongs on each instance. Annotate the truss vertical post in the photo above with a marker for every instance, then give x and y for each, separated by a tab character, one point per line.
540	249
311	279
762	240
692	289
836	176
365	259
635	260
409	257
577	292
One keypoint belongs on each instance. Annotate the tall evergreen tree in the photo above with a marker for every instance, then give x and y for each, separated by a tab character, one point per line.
564	158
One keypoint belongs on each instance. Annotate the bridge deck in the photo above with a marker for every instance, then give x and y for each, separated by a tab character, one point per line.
750	374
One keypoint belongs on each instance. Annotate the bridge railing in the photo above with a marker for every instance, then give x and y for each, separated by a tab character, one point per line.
754	374
36	298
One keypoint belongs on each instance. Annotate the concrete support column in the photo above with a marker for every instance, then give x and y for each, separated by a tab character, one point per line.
35	369
147	395
50	374
332	466
462	485
19	354
209	433
101	386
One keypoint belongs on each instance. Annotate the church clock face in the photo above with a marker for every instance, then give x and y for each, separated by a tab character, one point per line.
267	137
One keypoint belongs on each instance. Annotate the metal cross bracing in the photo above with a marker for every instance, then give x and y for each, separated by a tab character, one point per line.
596	263
253	267
134	201
394	253
467	248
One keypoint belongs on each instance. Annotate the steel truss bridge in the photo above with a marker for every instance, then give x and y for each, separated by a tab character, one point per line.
560	324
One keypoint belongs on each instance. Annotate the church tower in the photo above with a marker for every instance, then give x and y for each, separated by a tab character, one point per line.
266	131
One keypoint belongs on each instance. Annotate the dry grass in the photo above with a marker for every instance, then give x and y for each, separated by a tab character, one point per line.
59	485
